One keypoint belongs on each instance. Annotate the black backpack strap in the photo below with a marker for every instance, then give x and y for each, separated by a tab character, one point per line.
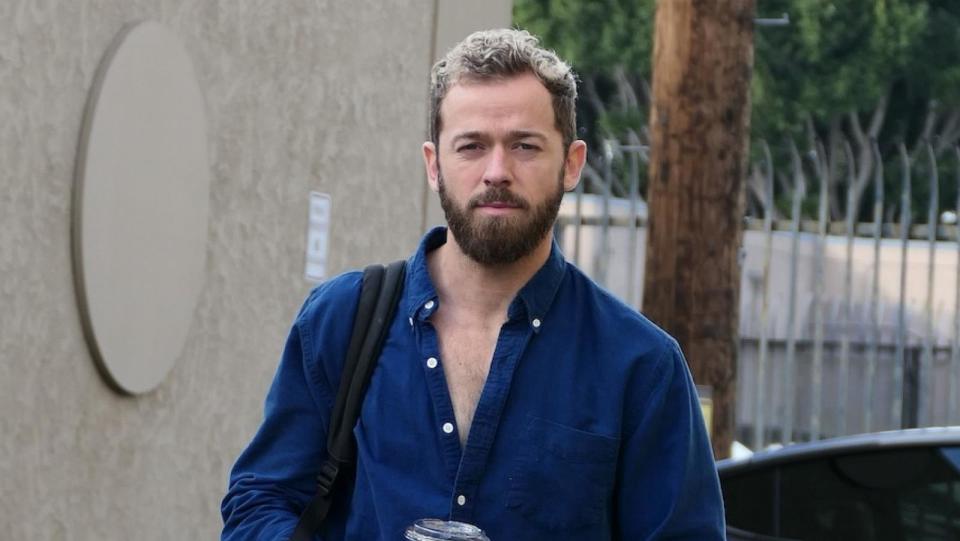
379	295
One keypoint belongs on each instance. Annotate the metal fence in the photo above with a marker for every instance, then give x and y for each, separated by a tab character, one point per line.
845	327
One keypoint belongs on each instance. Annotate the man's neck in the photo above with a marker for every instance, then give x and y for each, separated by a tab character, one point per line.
484	290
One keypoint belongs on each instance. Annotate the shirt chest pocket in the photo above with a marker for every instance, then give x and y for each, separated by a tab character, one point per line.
563	477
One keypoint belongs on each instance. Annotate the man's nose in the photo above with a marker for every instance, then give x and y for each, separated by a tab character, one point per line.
497	171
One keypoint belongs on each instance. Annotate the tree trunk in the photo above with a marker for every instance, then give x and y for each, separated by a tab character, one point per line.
699	125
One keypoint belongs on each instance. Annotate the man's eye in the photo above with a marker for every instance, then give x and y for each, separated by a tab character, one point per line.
469	147
526	147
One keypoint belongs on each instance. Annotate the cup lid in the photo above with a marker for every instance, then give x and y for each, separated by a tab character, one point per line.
433	529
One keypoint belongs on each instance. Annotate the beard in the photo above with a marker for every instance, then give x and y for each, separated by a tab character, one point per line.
500	240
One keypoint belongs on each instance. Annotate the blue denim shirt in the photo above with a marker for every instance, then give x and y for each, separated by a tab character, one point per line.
588	426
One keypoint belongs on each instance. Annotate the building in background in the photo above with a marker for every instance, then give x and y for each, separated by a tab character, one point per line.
299	97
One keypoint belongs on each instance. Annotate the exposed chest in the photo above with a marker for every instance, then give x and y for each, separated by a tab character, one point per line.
466	348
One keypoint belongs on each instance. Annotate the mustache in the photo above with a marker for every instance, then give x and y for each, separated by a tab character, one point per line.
498	195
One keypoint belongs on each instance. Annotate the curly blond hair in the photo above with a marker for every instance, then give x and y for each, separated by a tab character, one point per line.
498	54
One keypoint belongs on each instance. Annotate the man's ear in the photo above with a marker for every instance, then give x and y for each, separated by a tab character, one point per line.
573	164
432	165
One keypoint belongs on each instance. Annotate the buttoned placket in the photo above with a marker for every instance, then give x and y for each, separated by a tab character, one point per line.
465	466
430	360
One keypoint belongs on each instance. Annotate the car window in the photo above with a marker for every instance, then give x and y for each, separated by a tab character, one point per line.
748	500
896	495
952	456
930	508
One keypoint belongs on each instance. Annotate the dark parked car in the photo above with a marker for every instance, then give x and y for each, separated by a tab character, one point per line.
888	486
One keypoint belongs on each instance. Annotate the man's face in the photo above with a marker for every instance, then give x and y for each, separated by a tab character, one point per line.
500	167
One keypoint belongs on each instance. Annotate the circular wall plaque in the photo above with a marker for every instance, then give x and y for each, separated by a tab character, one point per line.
140	207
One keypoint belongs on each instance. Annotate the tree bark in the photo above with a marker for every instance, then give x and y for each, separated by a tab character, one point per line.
865	159
699	126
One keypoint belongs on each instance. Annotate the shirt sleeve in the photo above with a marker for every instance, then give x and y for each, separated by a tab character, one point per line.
275	476
668	486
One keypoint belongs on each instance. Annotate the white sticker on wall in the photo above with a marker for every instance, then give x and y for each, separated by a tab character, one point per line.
318	237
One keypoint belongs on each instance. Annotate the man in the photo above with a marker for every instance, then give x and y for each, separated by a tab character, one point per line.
512	392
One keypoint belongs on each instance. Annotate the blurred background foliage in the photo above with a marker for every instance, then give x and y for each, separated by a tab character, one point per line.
842	74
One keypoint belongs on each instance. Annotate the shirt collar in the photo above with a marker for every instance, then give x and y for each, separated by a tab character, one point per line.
533	300
419	288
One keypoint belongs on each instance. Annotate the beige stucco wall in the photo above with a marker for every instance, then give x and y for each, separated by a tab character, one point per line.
301	95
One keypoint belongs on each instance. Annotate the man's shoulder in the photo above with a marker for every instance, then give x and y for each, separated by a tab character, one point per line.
334	294
612	314
324	325
329	308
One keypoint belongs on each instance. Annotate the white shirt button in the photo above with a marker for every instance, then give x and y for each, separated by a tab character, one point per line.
448	428
429	305
432	362
461	500
411	321
536	323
